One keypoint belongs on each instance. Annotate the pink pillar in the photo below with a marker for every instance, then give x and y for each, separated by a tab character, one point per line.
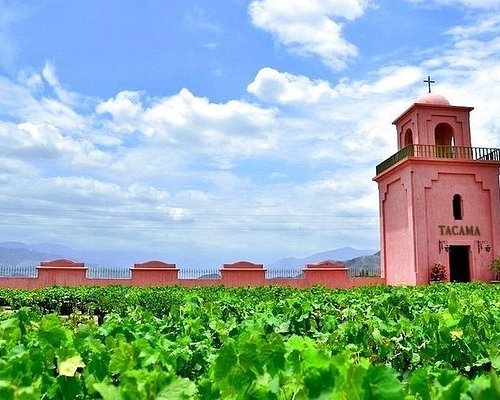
154	273
328	273
243	273
61	273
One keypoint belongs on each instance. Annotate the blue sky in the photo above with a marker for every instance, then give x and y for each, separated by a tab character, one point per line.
211	131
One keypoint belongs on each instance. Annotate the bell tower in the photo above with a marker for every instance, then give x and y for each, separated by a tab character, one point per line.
439	197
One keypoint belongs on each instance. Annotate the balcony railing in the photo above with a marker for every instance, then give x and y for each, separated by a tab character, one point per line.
431	151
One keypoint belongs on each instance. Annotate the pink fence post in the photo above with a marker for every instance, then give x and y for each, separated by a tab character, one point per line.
331	274
154	273
61	273
243	273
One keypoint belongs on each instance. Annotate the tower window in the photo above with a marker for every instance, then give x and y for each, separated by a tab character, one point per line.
443	135
408	137
457	207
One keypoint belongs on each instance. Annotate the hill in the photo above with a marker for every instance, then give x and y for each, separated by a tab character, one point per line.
342	254
364	265
12	256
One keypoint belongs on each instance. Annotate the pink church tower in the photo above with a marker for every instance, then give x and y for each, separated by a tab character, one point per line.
439	197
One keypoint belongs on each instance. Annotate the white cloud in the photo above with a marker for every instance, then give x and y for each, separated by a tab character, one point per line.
41	141
194	124
79	192
390	80
31	80
49	75
271	85
125	110
21	104
338	123
487	24
311	27
481	4
12	169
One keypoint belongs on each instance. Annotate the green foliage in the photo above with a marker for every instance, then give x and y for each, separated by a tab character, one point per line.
436	342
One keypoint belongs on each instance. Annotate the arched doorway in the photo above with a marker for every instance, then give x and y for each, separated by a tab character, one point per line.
444	139
443	135
408	138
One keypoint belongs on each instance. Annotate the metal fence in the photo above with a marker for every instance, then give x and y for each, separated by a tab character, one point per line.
18	271
93	272
289	273
364	272
433	151
199	273
101	272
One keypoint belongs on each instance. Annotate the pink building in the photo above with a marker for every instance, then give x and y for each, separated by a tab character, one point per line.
439	197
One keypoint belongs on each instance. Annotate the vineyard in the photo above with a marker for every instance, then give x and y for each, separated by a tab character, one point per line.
436	342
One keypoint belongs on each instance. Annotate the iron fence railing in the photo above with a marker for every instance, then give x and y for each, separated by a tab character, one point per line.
280	273
364	272
18	271
199	273
107	272
431	151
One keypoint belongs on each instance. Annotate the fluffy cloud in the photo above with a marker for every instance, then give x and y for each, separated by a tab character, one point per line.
41	120
273	86
194	124
310	28
41	141
125	109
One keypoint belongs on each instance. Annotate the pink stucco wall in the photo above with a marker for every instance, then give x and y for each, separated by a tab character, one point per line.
416	199
157	273
477	184
423	123
397	232
416	190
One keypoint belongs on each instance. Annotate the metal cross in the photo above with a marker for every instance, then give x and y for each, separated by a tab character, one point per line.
429	81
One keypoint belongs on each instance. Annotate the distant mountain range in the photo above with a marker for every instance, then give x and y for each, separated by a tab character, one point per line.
343	254
359	262
22	254
19	254
364	265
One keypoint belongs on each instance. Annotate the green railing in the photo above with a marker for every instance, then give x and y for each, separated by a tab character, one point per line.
431	151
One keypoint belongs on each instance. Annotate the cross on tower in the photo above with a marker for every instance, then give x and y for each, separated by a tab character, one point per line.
429	81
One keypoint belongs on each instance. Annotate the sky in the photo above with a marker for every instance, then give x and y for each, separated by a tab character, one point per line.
205	132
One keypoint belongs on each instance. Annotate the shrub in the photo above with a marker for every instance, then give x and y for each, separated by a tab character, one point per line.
495	267
439	272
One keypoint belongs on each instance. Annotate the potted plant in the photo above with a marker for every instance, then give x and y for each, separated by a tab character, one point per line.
438	273
495	267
